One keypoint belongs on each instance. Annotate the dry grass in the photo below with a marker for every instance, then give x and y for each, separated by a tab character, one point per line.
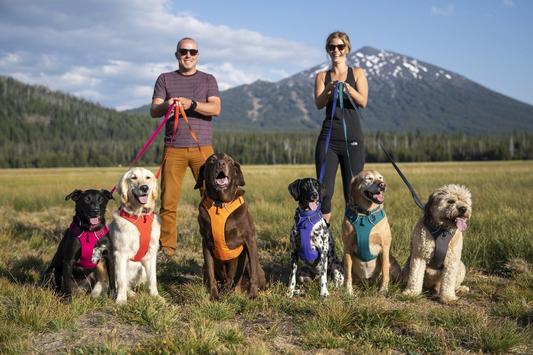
496	316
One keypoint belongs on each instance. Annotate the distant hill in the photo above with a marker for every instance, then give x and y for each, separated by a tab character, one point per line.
263	123
405	94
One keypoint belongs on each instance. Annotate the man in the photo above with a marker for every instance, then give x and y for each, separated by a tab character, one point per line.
198	93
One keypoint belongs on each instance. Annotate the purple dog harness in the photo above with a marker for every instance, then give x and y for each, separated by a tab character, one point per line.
304	222
88	240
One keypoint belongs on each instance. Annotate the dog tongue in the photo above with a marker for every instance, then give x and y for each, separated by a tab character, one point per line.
313	205
95	220
379	197
460	223
143	199
222	181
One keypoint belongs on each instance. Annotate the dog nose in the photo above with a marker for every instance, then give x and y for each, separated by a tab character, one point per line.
314	195
143	188
462	209
221	164
382	185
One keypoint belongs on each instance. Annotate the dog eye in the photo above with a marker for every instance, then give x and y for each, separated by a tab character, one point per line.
87	199
451	201
147	177
133	177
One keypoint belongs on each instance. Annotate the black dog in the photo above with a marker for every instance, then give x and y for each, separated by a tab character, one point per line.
84	243
311	240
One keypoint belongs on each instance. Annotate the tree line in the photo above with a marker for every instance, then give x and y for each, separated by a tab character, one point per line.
43	128
266	148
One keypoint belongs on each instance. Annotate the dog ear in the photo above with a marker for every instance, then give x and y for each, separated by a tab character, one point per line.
432	200
108	195
122	188
200	178
238	174
155	190
294	189
74	195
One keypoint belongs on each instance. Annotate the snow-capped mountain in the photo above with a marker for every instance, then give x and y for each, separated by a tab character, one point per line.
405	94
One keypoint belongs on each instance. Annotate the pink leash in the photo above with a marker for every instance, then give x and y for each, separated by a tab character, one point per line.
149	141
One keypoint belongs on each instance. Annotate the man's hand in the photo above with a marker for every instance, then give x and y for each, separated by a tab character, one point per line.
185	102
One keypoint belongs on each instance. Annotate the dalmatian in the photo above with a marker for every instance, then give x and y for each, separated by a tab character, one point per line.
311	241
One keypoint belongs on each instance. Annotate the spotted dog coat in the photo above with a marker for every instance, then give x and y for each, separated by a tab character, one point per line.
311	240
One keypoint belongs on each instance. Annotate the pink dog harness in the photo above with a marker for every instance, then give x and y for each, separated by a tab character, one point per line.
88	240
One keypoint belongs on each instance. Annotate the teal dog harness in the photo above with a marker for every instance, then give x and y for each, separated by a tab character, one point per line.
363	224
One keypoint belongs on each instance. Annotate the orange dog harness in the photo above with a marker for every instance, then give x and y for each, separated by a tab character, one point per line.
218	216
143	223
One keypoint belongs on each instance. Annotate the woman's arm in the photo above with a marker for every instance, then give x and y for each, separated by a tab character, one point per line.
322	92
360	93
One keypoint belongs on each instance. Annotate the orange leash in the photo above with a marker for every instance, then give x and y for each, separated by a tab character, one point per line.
176	126
191	131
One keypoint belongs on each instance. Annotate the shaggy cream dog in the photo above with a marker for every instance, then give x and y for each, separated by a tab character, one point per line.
367	246
135	232
435	254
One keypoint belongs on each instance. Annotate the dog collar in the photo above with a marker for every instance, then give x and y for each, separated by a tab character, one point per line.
218	215
88	240
363	223
442	237
305	221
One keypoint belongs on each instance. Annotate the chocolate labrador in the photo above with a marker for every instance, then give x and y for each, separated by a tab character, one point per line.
228	233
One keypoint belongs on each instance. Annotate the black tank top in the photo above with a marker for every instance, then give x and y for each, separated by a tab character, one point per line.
351	116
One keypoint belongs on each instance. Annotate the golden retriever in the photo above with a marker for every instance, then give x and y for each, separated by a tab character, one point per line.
135	232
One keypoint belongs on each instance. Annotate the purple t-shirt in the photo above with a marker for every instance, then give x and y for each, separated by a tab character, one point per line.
199	87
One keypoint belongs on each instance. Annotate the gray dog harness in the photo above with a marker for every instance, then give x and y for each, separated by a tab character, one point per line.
442	238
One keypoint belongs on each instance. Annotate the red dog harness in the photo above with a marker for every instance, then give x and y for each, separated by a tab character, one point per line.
88	240
143	223
218	214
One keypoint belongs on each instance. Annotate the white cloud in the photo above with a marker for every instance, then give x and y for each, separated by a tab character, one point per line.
447	10
113	51
509	3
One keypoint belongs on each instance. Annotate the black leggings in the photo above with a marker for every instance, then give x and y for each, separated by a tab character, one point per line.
337	154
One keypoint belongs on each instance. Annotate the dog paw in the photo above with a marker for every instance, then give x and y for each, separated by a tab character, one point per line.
121	300
214	296
462	289
290	293
410	293
384	291
324	293
160	299
448	299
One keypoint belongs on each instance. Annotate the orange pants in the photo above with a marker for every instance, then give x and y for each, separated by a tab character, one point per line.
174	168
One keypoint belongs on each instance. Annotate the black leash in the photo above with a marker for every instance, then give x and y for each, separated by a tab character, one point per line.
411	189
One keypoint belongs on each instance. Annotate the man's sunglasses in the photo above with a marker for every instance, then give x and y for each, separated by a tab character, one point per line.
184	51
340	47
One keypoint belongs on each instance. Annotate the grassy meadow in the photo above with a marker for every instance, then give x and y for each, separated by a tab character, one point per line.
496	316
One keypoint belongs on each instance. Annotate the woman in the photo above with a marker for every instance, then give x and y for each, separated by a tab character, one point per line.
346	139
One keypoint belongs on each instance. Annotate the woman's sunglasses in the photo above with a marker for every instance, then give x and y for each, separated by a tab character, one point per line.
184	51
340	47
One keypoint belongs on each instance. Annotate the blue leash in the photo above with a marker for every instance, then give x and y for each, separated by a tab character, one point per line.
338	88
341	102
328	135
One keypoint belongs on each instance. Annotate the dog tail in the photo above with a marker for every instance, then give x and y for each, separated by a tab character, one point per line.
411	189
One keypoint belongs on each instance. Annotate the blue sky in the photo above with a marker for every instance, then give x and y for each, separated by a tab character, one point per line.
112	51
